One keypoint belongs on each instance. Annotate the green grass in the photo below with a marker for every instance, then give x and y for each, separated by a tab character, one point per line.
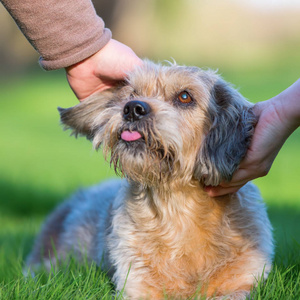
40	165
82	282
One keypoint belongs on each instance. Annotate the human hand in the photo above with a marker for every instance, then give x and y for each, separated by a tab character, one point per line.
101	70
278	118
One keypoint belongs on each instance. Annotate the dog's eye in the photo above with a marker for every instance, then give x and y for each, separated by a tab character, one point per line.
185	97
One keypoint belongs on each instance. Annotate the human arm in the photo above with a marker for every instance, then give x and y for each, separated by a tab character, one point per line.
279	117
69	34
63	32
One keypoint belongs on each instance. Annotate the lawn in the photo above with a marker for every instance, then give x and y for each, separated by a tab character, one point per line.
40	165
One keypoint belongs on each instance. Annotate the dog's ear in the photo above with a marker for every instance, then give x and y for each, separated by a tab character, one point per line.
228	130
80	118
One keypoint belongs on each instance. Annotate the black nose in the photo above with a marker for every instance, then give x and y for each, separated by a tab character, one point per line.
136	110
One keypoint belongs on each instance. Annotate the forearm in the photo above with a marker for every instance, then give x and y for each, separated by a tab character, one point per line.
288	103
63	32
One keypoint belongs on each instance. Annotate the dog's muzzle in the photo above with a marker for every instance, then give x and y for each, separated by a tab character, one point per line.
136	110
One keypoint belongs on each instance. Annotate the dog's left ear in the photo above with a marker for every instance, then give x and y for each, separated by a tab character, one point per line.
80	118
228	131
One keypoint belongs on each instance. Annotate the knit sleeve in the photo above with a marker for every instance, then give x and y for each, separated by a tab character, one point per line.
63	32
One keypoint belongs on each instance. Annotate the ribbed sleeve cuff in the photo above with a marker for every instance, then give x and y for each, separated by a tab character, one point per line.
88	50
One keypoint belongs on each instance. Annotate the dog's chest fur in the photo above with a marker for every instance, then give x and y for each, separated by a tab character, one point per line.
173	241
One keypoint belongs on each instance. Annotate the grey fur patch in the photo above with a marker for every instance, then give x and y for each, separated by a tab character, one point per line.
230	127
48	241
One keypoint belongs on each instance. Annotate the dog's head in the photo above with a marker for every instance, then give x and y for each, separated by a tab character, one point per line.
166	123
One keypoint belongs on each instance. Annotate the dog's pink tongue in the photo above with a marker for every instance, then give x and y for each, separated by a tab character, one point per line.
129	136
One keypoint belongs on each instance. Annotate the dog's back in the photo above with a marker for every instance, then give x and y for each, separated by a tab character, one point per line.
78	227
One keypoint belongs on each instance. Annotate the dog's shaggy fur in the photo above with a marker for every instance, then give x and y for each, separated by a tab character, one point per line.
170	130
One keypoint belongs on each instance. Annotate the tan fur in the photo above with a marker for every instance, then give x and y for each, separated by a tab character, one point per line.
161	225
194	242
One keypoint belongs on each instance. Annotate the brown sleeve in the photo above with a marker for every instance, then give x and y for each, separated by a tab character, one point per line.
64	32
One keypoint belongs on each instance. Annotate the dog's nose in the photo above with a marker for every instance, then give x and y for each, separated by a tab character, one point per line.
136	110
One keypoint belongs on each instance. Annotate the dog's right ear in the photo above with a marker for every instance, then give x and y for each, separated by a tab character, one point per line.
230	126
80	118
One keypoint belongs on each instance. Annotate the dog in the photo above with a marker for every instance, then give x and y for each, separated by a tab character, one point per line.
169	131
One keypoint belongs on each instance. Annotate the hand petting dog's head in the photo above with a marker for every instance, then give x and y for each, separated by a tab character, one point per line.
168	123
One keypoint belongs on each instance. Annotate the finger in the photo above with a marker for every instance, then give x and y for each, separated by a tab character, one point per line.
240	177
233	183
217	191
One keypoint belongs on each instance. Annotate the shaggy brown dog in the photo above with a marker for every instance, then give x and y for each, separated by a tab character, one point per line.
170	130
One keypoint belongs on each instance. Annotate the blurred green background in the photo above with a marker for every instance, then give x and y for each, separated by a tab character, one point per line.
255	46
